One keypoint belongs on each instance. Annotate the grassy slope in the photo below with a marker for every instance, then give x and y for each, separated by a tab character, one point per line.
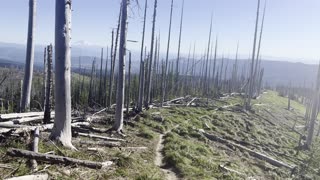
191	155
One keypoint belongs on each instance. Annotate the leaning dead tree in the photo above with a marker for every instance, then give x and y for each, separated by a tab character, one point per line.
118	125
48	86
62	123
27	80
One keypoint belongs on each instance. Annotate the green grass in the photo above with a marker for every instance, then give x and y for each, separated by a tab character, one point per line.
192	156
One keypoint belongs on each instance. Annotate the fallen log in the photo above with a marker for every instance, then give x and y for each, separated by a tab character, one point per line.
31	177
22	115
101	137
176	99
99	143
251	152
135	148
57	159
23	120
5	166
188	104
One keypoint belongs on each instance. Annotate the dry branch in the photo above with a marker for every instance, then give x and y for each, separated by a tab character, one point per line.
57	159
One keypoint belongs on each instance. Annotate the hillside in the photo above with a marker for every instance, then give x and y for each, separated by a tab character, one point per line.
170	143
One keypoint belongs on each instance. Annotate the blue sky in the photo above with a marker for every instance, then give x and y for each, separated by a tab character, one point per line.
292	28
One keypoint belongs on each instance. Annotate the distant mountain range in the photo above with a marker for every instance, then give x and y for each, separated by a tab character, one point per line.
276	72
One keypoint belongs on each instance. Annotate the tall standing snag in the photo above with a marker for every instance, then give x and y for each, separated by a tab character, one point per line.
47	102
27	80
249	95
122	55
62	123
151	56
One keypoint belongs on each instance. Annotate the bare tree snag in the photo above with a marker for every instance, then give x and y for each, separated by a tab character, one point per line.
57	159
164	80
35	148
249	95
118	125
151	57
62	123
48	86
27	80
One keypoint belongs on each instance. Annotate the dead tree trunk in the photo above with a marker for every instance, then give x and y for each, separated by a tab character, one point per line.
27	80
35	147
118	125
100	79
47	102
111	72
44	75
314	112
164	81
129	84
91	86
141	75
56	159
177	85
149	85
62	123
249	95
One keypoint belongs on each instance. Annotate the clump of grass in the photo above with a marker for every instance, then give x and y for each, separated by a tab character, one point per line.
145	133
191	158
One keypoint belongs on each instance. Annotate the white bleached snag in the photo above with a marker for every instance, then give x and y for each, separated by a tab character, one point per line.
62	123
28	71
118	125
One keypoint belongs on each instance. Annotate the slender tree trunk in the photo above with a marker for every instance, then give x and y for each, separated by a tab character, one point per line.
314	112
27	80
91	86
62	123
47	102
206	87
118	125
167	58
141	75
111	72
105	79
129	84
100	79
249	95
44	75
151	56
177	85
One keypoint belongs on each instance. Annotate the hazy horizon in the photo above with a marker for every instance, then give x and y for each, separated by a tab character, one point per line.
290	31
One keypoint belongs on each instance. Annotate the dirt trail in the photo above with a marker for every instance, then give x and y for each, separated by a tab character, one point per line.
171	175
